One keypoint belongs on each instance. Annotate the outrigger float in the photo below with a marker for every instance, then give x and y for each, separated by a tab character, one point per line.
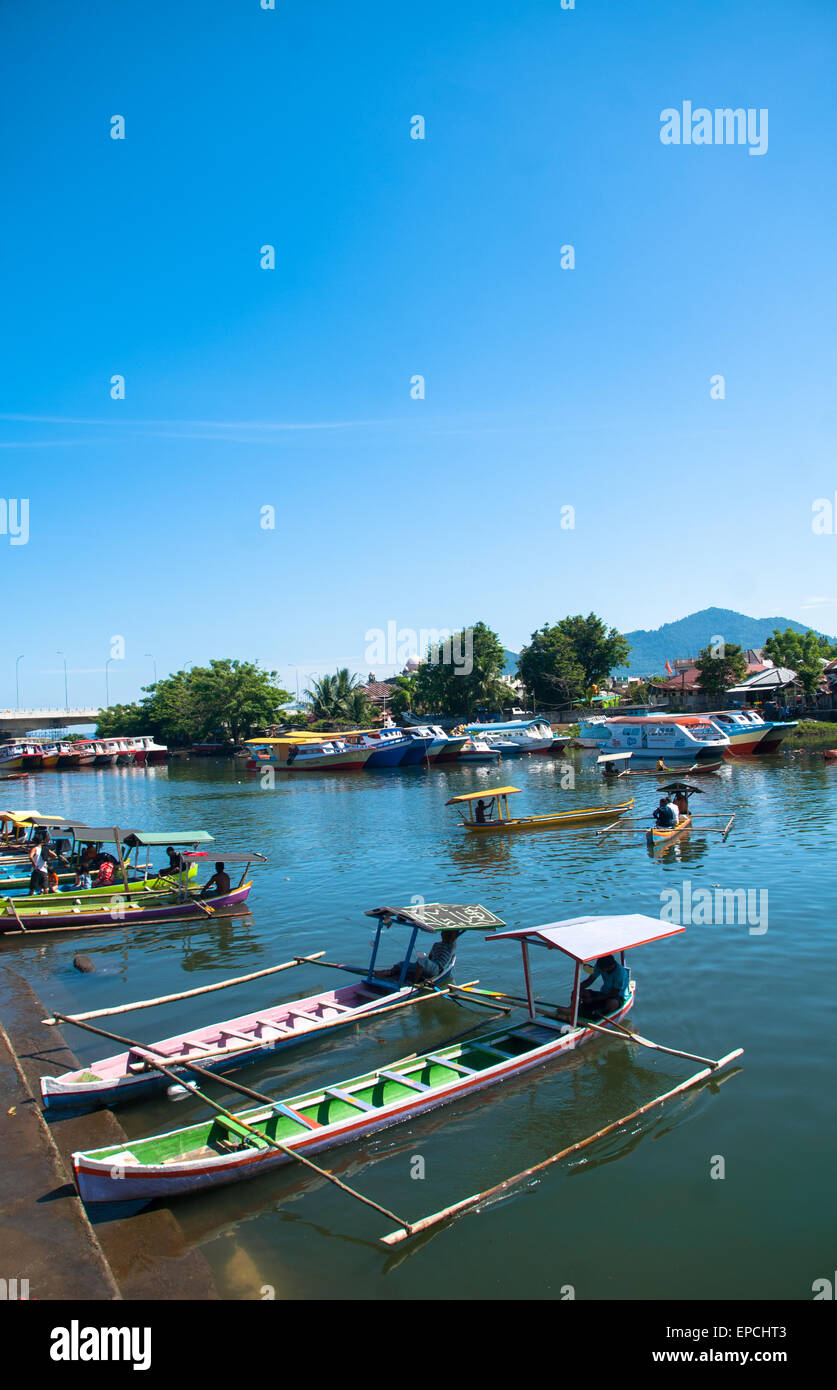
489	811
233	1146
218	1047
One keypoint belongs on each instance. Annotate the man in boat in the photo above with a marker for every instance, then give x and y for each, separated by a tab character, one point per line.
176	864
681	801
220	881
482	812
665	814
614	991
439	961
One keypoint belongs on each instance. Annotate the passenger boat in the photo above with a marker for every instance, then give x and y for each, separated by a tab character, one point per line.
146	751
389	747
523	735
137	878
681	738
451	743
32	757
308	754
11	757
46	914
86	749
49	754
234	1146
479	750
775	733
745	730
222	1047
483	804
657	838
68	755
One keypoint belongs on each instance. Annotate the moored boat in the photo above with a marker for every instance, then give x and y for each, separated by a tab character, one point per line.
745	729
234	1146
227	1046
681	738
522	735
478	750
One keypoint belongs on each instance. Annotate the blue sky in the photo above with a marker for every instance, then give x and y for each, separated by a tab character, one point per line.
290	388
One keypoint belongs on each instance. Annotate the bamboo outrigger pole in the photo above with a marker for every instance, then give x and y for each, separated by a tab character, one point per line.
153	1060
184	994
468	1203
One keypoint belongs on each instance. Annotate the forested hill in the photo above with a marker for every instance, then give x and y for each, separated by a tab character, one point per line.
651	649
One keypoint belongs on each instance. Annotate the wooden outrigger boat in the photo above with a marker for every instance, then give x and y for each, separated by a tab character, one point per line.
144	903
221	1047
661	838
136	878
611	771
482	817
234	1146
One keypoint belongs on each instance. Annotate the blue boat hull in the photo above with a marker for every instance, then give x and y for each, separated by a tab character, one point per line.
392	755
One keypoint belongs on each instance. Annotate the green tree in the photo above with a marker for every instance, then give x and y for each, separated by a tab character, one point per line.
402	695
232	698
801	652
463	674
565	659
718	671
339	698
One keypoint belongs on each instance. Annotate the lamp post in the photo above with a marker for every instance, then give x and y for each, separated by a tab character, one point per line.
66	697
107	681
17	681
154	664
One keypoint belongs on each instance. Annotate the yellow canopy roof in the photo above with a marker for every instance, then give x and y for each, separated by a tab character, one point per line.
480	796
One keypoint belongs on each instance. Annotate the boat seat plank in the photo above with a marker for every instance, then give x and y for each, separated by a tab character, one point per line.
405	1080
240	1037
277	1027
233	1127
295	1115
339	1094
497	1052
446	1062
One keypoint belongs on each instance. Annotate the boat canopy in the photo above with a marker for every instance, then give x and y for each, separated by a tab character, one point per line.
481	796
37	818
614	757
586	938
98	835
681	787
233	856
174	837
509	726
436	917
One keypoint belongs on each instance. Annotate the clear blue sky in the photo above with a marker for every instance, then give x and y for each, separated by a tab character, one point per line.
291	388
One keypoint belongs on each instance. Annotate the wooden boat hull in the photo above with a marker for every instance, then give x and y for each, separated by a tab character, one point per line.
659	839
221	1047
41	918
196	1158
548	822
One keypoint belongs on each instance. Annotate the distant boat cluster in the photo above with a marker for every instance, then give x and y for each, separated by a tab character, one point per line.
89	752
394	747
685	738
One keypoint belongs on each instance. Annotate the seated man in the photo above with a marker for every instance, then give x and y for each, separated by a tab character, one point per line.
482	813
615	982
220	881
664	815
175	865
681	801
439	961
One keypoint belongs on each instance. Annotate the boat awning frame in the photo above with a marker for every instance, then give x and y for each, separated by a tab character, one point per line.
483	796
438	917
614	757
233	856
154	838
588	938
98	834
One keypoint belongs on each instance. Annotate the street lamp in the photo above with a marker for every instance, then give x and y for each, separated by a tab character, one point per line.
154	664
17	681
107	683
66	697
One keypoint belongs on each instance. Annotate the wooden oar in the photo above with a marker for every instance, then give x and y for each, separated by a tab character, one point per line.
11	905
630	1036
152	1058
468	1203
184	994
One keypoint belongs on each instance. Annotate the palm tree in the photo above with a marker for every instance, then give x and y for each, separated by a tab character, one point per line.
322	698
340	696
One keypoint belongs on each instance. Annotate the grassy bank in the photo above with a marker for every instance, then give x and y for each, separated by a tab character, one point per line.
812	733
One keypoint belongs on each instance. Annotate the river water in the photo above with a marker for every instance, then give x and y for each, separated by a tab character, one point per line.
725	1193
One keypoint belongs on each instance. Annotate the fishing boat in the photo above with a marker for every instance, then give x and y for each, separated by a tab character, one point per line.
234	1146
227	1046
488	811
522	735
615	765
659	837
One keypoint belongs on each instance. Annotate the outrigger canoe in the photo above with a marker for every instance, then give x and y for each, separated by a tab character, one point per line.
658	838
222	1047
493	817
234	1146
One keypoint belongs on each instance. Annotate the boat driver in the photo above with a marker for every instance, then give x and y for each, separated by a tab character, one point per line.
614	991
220	881
439	961
482	812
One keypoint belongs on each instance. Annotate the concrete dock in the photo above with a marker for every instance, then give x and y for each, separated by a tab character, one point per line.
46	1236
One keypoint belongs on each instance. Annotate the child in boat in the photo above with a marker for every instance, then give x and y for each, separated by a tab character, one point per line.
439	961
615	981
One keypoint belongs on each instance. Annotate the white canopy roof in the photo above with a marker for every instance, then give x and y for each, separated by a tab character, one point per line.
585	938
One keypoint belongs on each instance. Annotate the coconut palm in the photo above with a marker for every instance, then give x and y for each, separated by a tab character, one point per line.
340	696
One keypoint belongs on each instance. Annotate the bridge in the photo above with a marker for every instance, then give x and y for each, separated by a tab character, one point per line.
15	722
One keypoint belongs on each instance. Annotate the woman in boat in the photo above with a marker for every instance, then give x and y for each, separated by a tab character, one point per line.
439	961
614	991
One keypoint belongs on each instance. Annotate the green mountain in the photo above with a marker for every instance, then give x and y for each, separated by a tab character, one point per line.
651	649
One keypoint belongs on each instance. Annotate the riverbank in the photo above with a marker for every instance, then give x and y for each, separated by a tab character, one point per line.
814	734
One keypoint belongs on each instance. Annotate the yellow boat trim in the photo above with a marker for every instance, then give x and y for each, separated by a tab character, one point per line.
555	818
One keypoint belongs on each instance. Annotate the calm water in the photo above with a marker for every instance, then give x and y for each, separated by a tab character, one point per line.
640	1217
